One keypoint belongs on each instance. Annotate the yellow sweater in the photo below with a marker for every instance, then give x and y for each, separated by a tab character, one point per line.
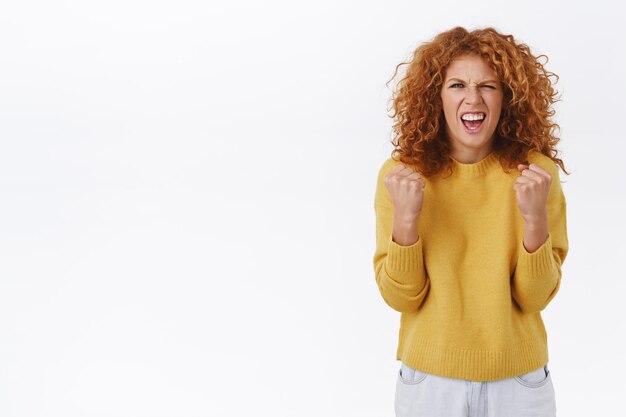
469	293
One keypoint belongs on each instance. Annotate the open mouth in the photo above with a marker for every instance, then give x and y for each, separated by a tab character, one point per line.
475	123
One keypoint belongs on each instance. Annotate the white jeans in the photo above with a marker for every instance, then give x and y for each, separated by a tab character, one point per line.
420	394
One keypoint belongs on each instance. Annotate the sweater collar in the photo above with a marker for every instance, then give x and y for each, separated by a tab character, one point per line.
476	169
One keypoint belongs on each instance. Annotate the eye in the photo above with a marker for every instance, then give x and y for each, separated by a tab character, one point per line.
488	86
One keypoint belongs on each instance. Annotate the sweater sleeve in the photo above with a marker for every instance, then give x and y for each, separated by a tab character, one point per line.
537	275
399	270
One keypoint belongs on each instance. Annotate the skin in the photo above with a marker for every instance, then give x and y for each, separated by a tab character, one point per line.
470	84
405	188
532	188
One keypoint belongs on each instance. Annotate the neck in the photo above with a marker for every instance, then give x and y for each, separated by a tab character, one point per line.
470	157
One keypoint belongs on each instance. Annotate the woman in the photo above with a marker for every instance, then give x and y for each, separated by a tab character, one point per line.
471	228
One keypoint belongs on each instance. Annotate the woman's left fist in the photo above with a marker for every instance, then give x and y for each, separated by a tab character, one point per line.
532	188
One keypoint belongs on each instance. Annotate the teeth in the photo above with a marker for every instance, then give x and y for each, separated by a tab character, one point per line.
473	116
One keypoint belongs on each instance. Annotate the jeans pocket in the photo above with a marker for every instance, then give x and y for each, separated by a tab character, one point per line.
411	392
410	376
536	378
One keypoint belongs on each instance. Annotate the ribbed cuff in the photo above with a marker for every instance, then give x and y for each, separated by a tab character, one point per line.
403	263
539	262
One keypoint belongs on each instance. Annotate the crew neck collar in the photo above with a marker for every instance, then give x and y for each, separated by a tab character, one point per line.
475	169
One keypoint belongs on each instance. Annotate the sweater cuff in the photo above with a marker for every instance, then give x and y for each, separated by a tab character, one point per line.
539	262
404	262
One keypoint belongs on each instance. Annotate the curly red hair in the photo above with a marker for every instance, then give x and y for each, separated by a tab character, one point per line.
525	122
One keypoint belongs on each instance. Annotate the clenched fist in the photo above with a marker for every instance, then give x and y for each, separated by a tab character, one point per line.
406	190
532	188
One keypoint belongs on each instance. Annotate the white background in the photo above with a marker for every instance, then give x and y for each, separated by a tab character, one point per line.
187	222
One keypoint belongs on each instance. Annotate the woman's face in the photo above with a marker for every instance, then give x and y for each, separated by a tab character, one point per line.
471	85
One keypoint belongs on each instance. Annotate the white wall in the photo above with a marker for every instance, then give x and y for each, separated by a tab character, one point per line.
186	214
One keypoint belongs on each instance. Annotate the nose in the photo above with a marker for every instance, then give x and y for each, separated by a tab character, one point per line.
472	94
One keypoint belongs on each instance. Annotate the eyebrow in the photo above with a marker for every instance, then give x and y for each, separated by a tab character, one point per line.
458	79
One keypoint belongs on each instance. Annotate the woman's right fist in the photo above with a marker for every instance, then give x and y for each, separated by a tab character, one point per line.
406	190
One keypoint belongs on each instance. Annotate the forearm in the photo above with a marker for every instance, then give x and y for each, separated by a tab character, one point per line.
535	233
405	231
398	263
